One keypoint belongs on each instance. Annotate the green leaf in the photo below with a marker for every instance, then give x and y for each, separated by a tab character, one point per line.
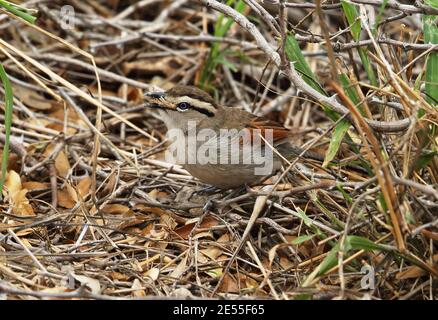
295	55
302	239
216	56
410	217
367	65
361	243
349	89
379	15
335	142
352	18
417	84
342	127
430	29
432	3
329	262
303	296
425	158
223	60
347	197
19	12
351	243
307	221
8	122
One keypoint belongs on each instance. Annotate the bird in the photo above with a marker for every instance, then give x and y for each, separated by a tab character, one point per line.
184	107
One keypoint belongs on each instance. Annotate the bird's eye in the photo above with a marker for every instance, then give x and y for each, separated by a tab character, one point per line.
182	106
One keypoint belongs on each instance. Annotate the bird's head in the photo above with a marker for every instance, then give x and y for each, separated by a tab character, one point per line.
182	104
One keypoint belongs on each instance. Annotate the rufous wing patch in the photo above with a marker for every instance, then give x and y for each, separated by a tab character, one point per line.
265	128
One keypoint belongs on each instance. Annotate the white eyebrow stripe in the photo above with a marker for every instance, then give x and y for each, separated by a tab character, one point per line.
196	103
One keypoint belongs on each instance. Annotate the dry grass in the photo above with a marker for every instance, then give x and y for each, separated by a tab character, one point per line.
91	209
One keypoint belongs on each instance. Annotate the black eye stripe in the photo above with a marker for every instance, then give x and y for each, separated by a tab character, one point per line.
203	111
183	106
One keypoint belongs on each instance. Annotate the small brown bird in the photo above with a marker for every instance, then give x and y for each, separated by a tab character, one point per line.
183	108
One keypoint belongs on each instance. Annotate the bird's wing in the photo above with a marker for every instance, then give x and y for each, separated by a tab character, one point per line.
279	133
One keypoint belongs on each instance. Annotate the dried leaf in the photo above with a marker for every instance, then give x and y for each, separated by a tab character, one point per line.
285	263
206	234
153	274
62	165
32	99
139	292
24	232
184	231
115	209
229	284
208	222
17	195
180	268
35	185
168	221
181	293
67	197
83	187
91	283
55	290
118	276
430	234
111	183
132	94
212	252
167	65
13	182
410	272
273	253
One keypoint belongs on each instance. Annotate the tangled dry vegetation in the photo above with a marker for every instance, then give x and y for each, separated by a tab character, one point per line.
82	219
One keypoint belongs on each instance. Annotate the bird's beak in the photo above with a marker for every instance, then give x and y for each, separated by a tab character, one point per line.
155	99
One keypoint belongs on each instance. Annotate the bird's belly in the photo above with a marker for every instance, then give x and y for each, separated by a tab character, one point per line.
227	176
225	167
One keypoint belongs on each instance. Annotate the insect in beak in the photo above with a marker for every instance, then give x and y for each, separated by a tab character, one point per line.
153	99
155	95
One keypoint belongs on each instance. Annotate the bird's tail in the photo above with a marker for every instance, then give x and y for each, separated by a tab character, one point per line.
296	151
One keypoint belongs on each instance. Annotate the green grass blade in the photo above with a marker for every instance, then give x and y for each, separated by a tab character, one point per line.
361	243
351	92
295	55
8	122
342	127
301	239
430	27
331	260
335	142
345	194
353	20
19	12
216	56
363	54
425	158
307	221
379	16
